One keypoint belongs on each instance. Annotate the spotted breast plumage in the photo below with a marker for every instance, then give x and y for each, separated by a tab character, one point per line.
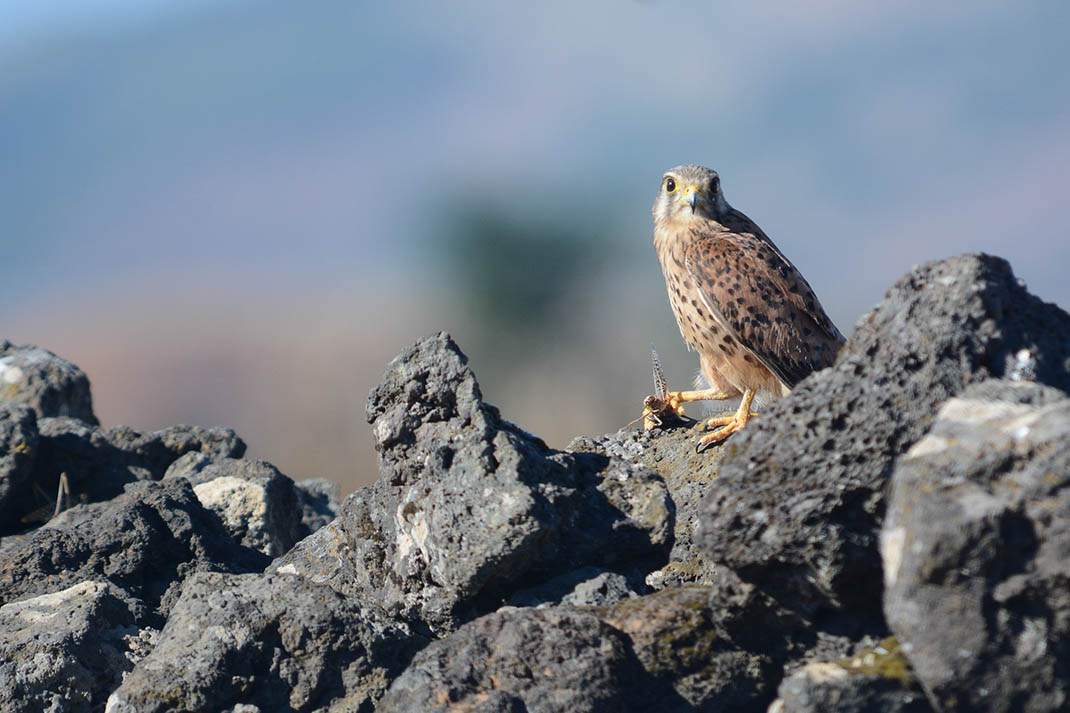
750	314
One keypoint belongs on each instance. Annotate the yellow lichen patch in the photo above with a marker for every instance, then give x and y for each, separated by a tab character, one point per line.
670	630
686	568
886	660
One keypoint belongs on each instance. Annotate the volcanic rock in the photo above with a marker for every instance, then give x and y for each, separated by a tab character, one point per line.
799	498
976	548
257	504
534	660
145	542
50	385
18	448
65	651
469	508
279	643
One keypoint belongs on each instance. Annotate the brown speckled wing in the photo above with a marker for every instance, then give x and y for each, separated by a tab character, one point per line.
761	299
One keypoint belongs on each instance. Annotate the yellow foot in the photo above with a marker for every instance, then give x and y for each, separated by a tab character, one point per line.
728	424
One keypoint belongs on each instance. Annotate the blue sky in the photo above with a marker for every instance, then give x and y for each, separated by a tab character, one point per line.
157	152
854	135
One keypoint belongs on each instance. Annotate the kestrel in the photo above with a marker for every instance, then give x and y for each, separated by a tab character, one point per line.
750	314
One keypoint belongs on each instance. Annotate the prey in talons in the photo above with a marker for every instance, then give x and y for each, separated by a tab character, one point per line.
665	407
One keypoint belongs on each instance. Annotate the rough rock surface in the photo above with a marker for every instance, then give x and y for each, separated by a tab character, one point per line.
320	502
583	587
469	508
976	551
18	447
688	475
556	659
257	504
874	681
472	516
65	651
50	385
145	542
801	490
279	643
99	463
674	636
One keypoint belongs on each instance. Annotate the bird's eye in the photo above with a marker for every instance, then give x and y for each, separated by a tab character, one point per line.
714	185
670	185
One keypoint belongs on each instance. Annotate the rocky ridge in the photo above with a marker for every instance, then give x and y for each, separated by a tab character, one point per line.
892	536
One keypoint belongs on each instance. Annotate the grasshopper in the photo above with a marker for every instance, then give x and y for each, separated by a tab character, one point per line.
658	410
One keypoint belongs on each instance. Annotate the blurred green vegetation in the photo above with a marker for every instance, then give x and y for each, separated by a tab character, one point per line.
517	273
556	304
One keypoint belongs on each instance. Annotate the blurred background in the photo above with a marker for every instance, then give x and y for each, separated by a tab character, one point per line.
236	213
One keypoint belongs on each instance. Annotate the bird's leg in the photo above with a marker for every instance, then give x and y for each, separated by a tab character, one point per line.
676	399
656	411
729	424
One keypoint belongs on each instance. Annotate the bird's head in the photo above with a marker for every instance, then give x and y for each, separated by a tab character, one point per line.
689	192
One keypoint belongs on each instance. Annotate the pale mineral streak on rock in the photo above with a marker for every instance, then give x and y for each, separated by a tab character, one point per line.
36	610
234	500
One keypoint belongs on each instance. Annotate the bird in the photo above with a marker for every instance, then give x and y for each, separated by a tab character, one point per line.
754	320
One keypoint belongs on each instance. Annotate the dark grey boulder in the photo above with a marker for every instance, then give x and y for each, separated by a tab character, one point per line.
276	642
742	613
878	680
64	652
50	385
99	462
469	508
673	634
552	660
258	505
320	501
799	498
976	546
157	450
18	447
584	587
146	541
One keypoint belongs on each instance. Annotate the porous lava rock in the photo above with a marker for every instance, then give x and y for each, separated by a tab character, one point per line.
99	462
276	642
66	651
976	549
18	447
877	680
146	541
548	660
469	508
798	501
49	384
258	505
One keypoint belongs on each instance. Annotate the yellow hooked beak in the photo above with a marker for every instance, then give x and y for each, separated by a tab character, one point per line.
691	196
